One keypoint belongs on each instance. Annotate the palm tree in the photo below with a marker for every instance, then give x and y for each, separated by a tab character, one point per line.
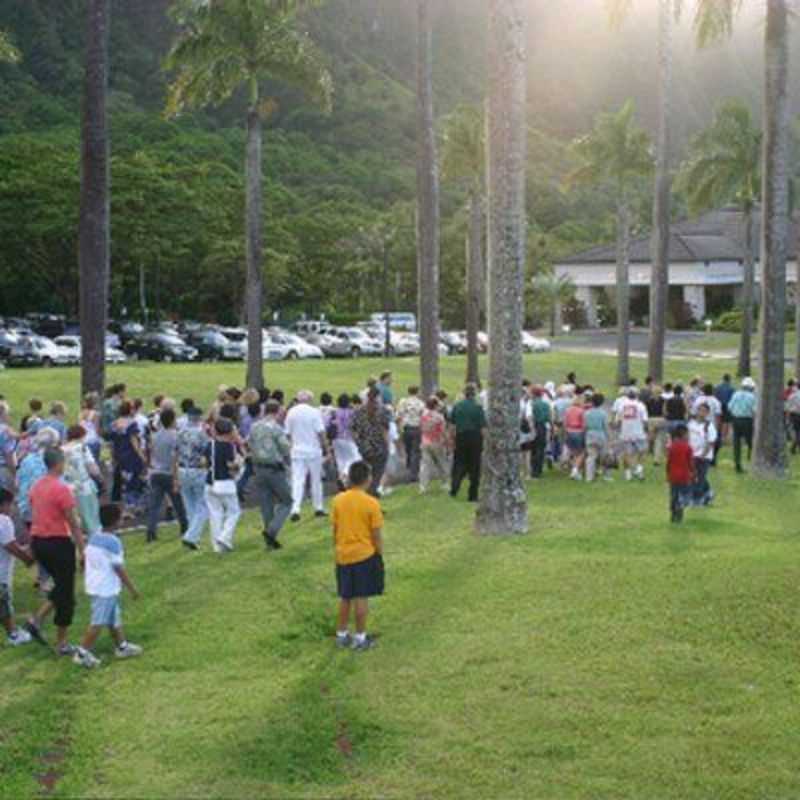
662	195
725	165
427	206
464	159
503	505
554	291
616	153
715	19
8	52
95	218
227	44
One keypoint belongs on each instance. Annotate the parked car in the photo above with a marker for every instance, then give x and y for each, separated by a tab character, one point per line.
292	346
7	341
157	346
213	346
360	343
331	346
398	320
126	331
70	346
534	344
114	355
36	351
454	341
47	325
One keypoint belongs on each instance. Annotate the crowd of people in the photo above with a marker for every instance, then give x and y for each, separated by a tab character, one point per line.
65	488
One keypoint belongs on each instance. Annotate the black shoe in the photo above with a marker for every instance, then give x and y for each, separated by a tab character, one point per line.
35	632
272	543
189	545
320	514
295	518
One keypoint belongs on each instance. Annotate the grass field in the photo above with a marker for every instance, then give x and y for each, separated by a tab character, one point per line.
606	655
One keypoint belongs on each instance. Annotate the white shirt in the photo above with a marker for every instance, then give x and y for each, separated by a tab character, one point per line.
103	553
702	437
632	415
714	406
6	559
304	425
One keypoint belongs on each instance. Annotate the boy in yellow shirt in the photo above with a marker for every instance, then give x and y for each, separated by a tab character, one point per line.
358	542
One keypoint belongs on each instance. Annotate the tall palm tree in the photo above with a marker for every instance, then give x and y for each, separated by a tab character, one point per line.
662	194
8	52
715	19
94	234
617	154
464	159
725	165
228	44
503	505
427	206
554	291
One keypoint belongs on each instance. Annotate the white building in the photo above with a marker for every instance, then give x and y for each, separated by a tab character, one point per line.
706	266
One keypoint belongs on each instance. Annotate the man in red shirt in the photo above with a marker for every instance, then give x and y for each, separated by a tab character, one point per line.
55	535
680	472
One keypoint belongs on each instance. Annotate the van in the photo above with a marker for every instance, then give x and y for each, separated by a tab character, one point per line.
398	320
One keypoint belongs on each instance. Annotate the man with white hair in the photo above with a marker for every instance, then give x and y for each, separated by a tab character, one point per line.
306	431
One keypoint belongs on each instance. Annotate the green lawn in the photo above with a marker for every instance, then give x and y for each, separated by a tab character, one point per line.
606	655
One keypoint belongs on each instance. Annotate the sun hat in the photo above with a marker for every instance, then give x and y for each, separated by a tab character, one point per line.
748	383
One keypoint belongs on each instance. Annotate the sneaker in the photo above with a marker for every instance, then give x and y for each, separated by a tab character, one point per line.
295	518
85	658
272	543
189	545
367	643
344	642
224	547
19	637
34	631
128	650
66	650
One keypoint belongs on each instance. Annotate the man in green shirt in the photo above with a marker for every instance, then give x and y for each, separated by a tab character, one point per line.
541	422
469	420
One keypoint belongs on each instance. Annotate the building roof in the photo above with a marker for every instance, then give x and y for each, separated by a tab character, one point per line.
715	236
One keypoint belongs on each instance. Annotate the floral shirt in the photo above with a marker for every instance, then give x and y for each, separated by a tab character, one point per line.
30	470
409	412
268	442
369	431
192	442
433	428
78	462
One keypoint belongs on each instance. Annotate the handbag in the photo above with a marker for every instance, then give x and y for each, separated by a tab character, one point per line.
223	488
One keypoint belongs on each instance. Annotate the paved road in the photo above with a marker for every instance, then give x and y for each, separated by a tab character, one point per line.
691	342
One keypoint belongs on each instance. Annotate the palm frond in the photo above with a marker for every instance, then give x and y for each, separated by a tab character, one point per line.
8	52
464	144
714	20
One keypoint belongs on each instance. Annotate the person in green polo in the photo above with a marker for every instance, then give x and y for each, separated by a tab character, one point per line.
468	419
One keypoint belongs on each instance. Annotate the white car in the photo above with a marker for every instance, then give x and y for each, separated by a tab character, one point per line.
534	344
114	355
293	347
70	347
360	343
51	353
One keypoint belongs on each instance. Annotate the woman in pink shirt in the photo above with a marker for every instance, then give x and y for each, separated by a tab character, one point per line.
575	429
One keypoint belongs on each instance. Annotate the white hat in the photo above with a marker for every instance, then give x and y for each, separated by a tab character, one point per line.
748	383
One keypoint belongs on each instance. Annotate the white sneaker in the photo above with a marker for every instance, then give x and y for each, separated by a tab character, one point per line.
83	658
128	650
19	637
628	475
575	475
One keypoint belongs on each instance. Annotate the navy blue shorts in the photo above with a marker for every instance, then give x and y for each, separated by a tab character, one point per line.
363	579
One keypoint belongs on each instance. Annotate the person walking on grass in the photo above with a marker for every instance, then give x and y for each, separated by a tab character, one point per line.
10	550
105	577
702	438
370	426
192	444
269	450
435	462
306	430
58	546
597	436
223	502
742	408
575	429
680	472
632	419
82	474
164	480
358	546
542	417
409	413
468	420
345	450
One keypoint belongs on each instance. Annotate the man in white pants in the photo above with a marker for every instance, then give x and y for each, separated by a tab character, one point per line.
306	431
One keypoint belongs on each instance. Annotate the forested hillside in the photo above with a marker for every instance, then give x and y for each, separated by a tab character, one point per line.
177	207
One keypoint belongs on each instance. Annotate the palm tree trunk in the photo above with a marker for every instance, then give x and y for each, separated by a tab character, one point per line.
95	215
769	456
659	281
427	207
474	283
255	244
748	296
503	503
623	293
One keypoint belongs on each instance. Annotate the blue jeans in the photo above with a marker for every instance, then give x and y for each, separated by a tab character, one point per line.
193	487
